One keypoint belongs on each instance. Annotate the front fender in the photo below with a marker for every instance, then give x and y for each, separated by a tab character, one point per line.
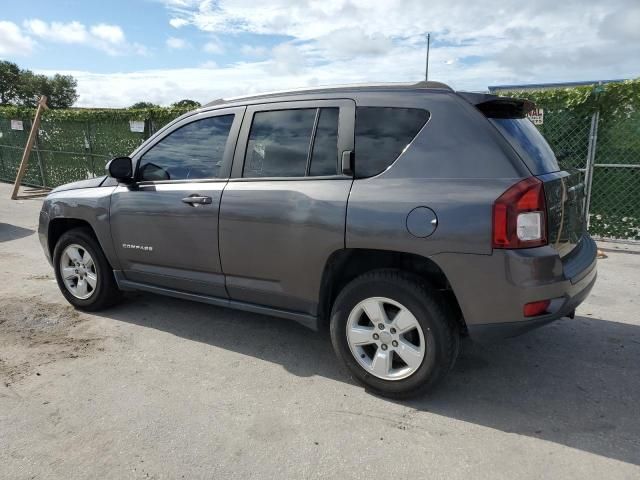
90	206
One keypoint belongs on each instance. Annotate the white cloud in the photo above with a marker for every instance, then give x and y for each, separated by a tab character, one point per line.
213	47
178	22
108	38
287	59
335	41
109	33
506	40
253	51
176	43
621	25
139	49
13	41
72	32
349	42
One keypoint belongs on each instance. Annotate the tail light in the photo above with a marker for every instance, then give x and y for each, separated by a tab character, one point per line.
533	309
520	216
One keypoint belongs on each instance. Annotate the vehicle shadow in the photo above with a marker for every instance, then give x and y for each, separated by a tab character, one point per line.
10	232
574	382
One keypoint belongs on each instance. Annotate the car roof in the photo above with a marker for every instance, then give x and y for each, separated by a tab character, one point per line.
365	87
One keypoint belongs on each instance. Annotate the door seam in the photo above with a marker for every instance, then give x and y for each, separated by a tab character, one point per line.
233	158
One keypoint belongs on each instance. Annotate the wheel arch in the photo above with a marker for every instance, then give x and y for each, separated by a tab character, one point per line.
344	265
58	227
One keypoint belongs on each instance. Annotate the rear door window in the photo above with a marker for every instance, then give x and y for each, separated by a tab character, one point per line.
324	158
382	134
293	143
525	138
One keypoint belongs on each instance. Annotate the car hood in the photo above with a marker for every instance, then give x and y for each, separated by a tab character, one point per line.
90	183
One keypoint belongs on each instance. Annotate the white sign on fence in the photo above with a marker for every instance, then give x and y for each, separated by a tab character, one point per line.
136	126
16	125
536	116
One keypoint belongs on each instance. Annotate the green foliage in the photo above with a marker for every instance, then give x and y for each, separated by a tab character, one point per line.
611	99
61	91
156	114
24	88
186	103
140	105
9	79
614	226
75	143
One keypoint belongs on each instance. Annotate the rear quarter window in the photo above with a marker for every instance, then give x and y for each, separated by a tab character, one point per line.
525	138
382	134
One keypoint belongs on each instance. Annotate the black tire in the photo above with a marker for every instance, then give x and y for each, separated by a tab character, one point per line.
106	292
441	334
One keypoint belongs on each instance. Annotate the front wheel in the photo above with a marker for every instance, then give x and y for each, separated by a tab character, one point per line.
83	273
393	333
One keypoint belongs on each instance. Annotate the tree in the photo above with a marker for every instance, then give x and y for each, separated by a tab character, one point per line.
9	79
24	88
186	103
144	105
62	92
31	87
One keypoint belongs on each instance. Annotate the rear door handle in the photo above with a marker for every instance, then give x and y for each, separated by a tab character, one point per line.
197	200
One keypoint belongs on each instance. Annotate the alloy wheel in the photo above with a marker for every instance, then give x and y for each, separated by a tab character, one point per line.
78	271
385	338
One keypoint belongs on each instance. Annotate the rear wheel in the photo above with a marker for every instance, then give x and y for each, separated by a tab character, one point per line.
82	271
393	333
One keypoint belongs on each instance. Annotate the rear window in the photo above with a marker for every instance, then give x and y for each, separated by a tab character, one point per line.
525	138
382	133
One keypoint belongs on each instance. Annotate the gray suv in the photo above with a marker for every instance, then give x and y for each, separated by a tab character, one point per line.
401	217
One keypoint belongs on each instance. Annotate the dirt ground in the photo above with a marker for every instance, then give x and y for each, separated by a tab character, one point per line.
163	388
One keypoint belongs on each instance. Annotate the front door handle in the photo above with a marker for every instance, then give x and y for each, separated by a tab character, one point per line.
197	200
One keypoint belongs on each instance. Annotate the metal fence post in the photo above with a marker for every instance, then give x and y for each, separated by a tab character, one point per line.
591	156
37	150
88	150
3	174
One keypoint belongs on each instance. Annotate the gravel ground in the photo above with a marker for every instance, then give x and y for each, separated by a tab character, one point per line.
163	388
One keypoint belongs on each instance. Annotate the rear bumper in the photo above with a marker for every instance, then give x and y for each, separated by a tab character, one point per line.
570	301
493	289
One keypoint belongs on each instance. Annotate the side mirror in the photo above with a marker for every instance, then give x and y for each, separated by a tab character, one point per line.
121	169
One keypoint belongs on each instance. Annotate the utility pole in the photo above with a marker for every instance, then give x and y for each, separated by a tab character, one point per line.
426	71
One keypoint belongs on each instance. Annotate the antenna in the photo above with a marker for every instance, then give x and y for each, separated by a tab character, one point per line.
426	71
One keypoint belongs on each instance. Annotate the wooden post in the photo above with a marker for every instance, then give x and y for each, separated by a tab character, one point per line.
42	106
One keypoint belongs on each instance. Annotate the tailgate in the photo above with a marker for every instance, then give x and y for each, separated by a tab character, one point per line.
564	190
565	197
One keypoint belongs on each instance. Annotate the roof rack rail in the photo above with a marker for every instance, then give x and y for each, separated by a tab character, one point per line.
330	88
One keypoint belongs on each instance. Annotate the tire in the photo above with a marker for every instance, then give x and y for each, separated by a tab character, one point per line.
105	292
435	333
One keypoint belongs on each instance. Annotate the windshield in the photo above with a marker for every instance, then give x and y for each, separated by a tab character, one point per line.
525	138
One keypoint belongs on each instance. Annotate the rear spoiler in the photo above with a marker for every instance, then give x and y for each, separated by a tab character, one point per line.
494	106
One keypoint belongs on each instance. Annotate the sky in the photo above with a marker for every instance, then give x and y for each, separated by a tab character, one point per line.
125	51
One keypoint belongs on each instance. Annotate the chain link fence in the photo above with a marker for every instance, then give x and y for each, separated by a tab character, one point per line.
606	148
614	203
67	150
